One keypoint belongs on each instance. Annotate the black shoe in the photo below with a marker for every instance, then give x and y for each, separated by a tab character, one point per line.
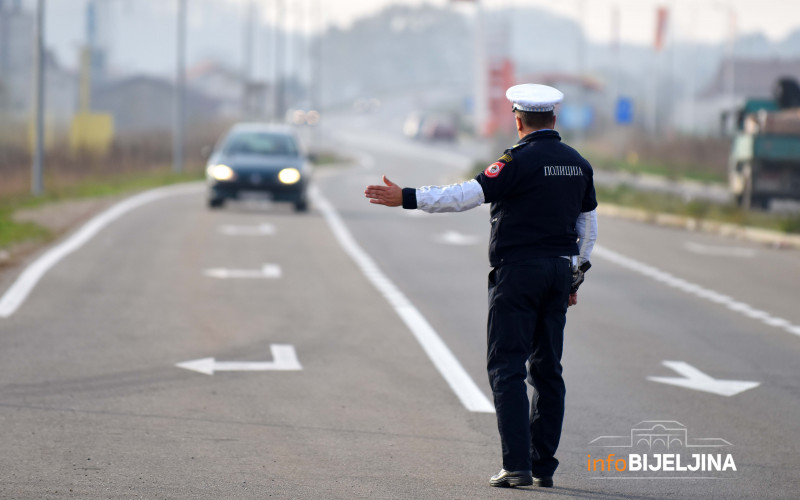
508	479
543	482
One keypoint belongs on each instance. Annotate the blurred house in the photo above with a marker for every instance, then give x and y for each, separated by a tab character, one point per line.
585	103
238	98
145	104
221	83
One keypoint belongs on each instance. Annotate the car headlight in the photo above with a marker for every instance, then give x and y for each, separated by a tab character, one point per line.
289	175
221	172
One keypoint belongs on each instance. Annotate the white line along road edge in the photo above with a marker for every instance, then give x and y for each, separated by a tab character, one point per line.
438	352
22	287
697	290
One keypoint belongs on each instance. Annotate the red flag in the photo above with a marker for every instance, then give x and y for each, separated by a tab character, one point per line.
662	18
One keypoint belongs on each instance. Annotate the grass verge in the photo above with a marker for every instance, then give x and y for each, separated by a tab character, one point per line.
668	171
14	232
698	209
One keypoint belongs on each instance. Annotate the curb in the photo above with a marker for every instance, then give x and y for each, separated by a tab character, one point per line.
775	239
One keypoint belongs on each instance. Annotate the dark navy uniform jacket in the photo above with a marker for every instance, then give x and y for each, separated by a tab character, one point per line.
536	189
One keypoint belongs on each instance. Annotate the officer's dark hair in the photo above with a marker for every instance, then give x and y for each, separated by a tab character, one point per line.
535	120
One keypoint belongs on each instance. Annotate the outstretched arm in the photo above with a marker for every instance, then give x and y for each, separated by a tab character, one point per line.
431	199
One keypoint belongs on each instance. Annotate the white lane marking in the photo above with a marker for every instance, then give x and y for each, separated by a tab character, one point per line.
260	230
268	271
718	251
694	379
284	358
457	239
22	287
696	290
443	359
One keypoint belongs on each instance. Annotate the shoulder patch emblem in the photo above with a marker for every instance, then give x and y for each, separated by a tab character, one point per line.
494	169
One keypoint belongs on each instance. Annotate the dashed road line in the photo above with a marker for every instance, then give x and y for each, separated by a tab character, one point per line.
696	290
265	229
267	271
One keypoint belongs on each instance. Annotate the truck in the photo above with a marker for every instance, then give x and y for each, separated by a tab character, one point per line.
764	163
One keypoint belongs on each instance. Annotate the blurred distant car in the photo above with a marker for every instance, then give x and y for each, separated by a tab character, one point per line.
366	105
302	117
412	126
430	127
256	160
439	128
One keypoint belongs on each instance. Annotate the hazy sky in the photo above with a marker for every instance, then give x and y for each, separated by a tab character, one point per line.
697	20
702	20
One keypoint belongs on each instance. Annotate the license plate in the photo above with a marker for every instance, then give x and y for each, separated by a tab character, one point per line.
255	195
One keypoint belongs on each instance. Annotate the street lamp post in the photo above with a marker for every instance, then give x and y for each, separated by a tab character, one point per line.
280	95
37	184
180	90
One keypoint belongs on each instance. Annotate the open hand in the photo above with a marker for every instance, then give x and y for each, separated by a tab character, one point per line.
390	195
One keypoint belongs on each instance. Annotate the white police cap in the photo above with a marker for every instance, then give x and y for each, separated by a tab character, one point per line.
533	97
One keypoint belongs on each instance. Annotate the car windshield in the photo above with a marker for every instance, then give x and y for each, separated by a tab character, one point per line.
261	143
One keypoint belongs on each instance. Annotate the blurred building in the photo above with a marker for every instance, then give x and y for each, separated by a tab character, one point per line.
16	71
218	82
145	103
585	99
237	98
734	81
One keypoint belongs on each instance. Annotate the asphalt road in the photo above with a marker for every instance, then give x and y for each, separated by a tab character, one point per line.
92	404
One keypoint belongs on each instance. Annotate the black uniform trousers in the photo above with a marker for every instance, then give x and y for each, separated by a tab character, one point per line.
527	314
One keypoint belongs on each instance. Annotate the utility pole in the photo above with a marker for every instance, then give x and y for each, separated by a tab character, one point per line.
280	96
37	185
481	105
730	73
319	75
180	90
247	70
580	132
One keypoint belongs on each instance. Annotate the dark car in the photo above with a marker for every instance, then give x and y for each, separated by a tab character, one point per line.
256	160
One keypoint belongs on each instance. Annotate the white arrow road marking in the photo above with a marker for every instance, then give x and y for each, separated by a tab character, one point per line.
16	295
268	271
283	359
718	251
699	381
456	238
260	230
440	355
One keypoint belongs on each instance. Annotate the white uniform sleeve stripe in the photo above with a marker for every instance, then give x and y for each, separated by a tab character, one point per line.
452	198
586	226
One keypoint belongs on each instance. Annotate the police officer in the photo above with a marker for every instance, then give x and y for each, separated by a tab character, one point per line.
543	230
